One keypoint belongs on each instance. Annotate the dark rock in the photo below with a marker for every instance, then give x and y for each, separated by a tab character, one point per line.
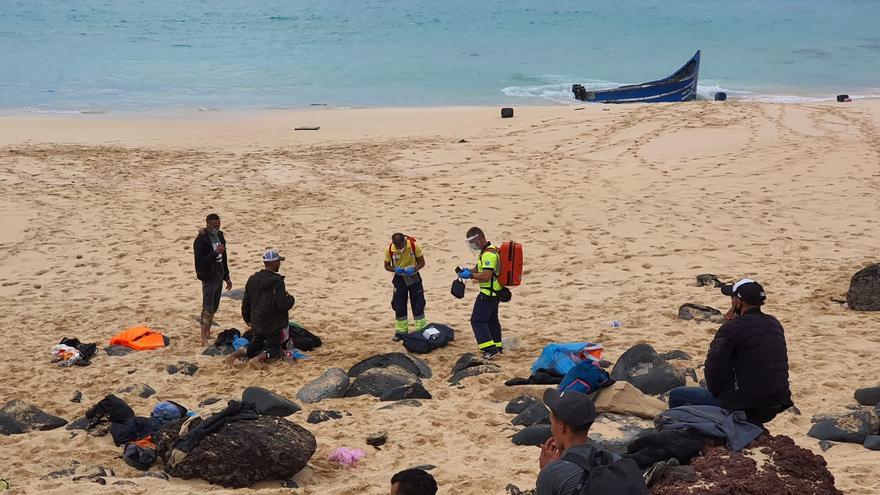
209	401
512	489
10	426
117	350
676	355
864	289
218	351
78	424
784	468
378	381
77	397
61	473
405	402
316	417
269	403
289	484
604	364
650	373
426	467
869	396
532	435
473	371
414	391
182	367
851	427
614	432
142	390
872	442
825	445
699	313
519	404
27	417
378	439
537	413
468	360
155	474
241	453
708	279
333	383
409	363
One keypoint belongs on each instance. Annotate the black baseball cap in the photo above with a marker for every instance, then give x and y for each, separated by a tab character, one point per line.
573	408
746	289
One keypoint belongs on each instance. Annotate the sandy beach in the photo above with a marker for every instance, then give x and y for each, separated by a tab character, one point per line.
618	208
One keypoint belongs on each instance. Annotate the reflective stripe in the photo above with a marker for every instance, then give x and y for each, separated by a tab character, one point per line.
421	323
498	345
401	326
484	345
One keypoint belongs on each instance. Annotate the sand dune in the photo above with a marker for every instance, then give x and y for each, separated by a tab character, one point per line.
619	207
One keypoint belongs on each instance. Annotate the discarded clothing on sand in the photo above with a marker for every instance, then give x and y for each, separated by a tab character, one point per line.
712	421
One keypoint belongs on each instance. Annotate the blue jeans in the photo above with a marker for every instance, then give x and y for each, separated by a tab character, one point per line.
691	396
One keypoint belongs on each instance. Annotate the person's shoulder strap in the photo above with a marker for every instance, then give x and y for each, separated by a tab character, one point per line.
390	245
412	245
584	464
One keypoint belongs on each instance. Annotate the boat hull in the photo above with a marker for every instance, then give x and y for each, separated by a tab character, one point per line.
680	86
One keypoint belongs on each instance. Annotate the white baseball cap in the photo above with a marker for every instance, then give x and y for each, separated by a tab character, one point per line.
272	255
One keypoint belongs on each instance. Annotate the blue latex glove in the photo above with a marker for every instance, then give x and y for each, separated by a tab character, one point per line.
466	273
399	271
410	270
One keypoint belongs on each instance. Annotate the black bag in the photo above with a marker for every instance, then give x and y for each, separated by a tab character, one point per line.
605	476
302	339
458	288
504	295
417	343
139	457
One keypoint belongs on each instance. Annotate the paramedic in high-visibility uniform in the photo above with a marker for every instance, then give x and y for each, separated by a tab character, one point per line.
404	258
484	319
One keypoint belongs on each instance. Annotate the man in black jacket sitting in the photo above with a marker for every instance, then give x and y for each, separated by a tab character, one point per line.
265	309
212	268
747	363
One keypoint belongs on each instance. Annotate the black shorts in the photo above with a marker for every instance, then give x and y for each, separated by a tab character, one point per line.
270	344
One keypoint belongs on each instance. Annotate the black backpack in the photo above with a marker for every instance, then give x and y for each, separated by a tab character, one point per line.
417	343
605	476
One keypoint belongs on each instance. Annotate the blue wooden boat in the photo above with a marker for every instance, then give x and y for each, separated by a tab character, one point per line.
681	86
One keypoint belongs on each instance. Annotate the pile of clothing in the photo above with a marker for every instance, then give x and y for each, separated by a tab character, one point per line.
70	351
135	433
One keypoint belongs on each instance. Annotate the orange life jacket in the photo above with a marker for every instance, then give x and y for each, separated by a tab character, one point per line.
141	338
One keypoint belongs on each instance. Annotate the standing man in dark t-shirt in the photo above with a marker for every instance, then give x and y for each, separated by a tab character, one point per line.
212	268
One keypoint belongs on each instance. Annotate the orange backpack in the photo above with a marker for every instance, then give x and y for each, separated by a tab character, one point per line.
511	256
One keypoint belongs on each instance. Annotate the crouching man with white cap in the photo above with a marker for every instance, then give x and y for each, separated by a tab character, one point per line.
265	309
747	362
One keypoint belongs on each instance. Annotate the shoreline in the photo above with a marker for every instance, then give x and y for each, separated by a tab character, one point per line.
737	96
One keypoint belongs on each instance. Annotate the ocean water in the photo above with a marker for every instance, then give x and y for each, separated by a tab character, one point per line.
109	55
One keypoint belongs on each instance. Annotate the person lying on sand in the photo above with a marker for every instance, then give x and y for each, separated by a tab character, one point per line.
265	308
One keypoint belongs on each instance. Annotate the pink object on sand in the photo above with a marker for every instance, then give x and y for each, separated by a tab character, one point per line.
346	456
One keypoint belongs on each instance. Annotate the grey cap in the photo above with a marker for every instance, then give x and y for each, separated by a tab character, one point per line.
573	408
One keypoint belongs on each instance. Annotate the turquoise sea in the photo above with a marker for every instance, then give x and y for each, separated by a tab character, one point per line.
108	55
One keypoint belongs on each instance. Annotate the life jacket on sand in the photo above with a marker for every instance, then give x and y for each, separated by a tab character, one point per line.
141	338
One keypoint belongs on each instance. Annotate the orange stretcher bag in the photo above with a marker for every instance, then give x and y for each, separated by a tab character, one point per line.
511	255
139	338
